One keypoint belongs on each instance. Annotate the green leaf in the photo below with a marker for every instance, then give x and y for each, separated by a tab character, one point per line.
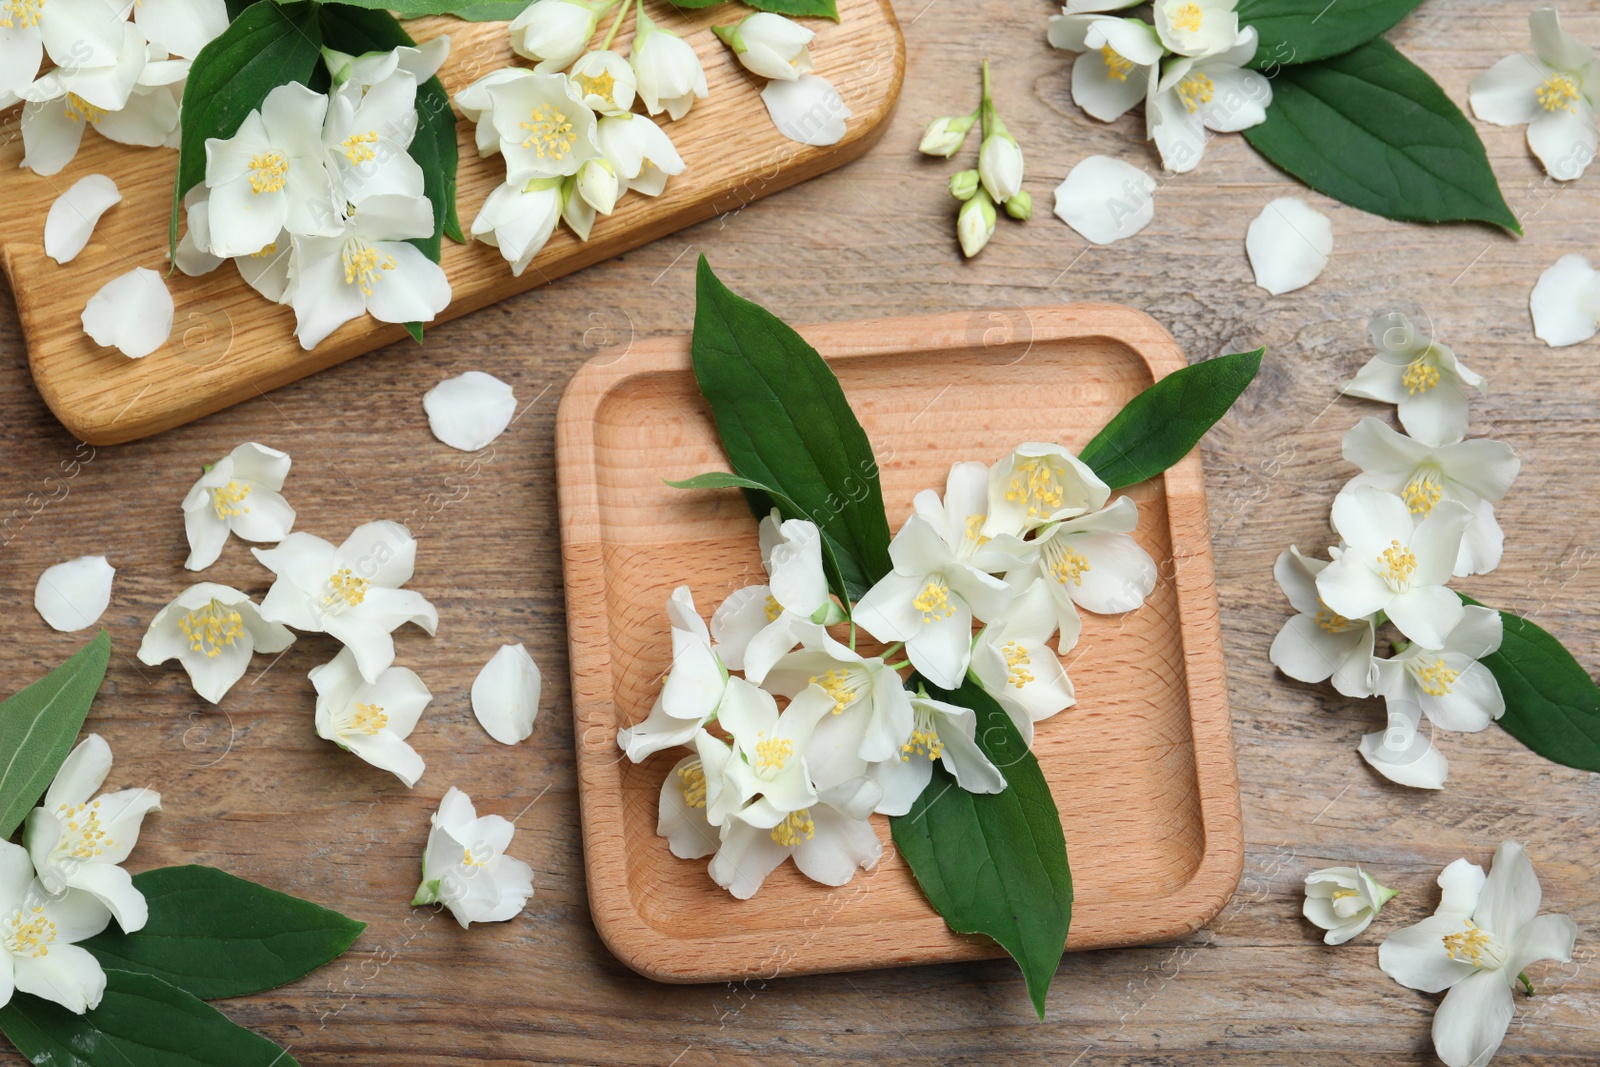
1301	31
1372	130
415	330
1160	425
355	30
213	935
268	45
406	9
38	726
1552	705
827	9
141	1022
785	423
503	11
996	863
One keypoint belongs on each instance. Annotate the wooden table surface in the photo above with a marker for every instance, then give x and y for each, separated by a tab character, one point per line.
251	789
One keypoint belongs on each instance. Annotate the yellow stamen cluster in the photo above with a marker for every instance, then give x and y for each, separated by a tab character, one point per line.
363	266
773	753
839	685
550	135
975	530
269	250
80	110
1195	90
345	589
1118	66
1420	376
601	85
1017	663
1189	17
358	147
797	826
773	608
1331	621
368	719
30	933
692	782
1559	93
467	859
1067	564
934	601
924	742
83	832
1471	945
268	170
17	14
1437	679
228	501
1037	483
1398	563
212	628
1422	492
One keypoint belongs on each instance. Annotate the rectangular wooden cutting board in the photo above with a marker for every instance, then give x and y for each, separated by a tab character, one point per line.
229	344
1142	768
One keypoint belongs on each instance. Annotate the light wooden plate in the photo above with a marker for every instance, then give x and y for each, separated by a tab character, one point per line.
228	344
1142	768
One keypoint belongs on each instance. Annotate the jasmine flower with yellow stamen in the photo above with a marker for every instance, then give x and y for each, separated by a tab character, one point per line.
1343	901
239	494
1423	379
371	719
465	866
212	630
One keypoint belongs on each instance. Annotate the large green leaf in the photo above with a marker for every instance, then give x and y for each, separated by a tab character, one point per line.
996	863
214	935
1552	705
1371	129
827	9
141	1022
267	45
1301	31
492	11
38	726
1160	425
407	9
785	422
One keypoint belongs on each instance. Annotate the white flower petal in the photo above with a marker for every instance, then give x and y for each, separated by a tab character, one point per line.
1289	245
1106	199
132	312
1507	93
73	595
72	218
808	110
470	410
1472	1020
1565	140
1402	753
1566	302
505	695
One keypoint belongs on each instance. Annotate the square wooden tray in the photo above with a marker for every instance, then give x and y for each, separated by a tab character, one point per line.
1142	768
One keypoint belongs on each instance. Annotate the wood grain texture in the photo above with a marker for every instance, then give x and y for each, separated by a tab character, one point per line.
1141	769
229	344
250	788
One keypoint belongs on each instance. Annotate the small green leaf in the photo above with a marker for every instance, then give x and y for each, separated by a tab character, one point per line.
1302	31
502	11
1372	130
415	330
406	9
39	725
267	45
214	935
1160	425
785	422
1552	705
996	863
141	1022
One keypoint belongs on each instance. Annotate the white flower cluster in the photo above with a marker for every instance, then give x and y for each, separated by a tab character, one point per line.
1421	511
123	77
1188	68
64	883
316	197
1018	547
1554	93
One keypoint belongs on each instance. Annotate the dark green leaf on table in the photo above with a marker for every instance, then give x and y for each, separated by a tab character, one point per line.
407	9
40	724
1372	130
214	935
827	9
1301	31
1160	425
492	11
994	864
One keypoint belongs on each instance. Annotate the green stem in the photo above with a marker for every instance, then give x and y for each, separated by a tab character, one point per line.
986	107
852	634
902	665
891	650
1522	976
616	25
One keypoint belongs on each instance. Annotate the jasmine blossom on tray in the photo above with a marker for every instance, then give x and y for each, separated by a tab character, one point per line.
73	595
465	866
769	45
668	72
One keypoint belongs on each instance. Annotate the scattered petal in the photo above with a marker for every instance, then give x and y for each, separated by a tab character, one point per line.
469	410
72	218
808	110
505	695
73	595
1289	244
1105	199
1566	302
132	313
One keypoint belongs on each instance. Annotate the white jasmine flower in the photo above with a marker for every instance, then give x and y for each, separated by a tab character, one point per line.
1197	27
769	45
132	313
641	151
975	223
86	87
1453	689
351	592
519	219
1473	473
598	185
1091	561
76	839
1013	663
963	518
505	695
1038	483
944	136
829	840
1288	244
768	764
1106	199
929	601
367	266
469	411
807	110
1343	901
73	595
545	129
1118	61
76	34
1566	302
1401	752
421	61
466	868
755	626
553	33
477	106
1553	93
211	630
1318	643
605	82
940	731
271	175
669	75
681	813
1484	935
182	27
269	270
1000	165
240	494
1395	564
367	134
371	719
73	215
1425	381
37	934
1209	92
